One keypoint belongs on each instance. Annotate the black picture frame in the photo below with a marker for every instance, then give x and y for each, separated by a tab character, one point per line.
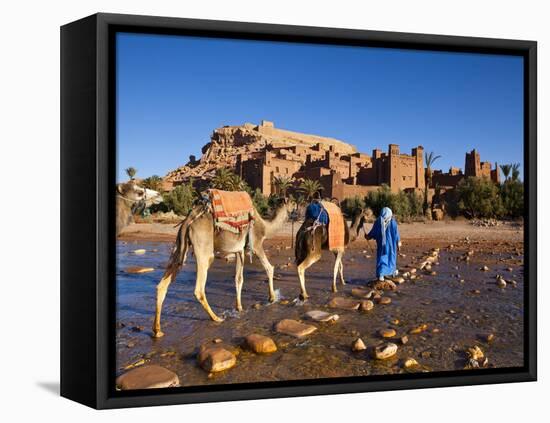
87	209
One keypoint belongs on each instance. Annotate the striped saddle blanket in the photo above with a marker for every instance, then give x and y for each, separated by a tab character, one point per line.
336	225
233	210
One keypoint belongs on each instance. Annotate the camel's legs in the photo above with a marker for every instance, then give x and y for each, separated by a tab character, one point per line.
239	260
203	263
260	253
337	264
342	281
162	288
309	260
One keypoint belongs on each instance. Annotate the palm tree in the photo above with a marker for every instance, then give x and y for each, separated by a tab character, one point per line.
222	179
506	169
236	183
153	182
131	172
310	188
430	159
282	183
515	172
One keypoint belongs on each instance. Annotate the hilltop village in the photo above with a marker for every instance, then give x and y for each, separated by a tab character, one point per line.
261	153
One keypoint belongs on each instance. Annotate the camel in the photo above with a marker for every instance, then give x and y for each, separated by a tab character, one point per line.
311	242
130	199
198	231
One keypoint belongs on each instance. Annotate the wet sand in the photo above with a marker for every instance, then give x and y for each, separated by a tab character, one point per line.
460	305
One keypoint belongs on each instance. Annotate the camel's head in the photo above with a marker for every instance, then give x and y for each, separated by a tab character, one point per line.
361	217
137	195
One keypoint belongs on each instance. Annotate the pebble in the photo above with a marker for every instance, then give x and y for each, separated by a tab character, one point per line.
387	333
358	345
343	303
410	363
261	344
418	329
147	377
475	353
501	283
484	269
294	328
384	300
321	316
385	285
385	351
139	251
366	305
404	339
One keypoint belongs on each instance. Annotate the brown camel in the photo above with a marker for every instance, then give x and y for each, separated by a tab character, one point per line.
130	199
310	241
198	231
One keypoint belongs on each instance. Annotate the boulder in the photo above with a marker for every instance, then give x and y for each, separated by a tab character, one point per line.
215	358
261	344
147	377
294	328
321	316
343	303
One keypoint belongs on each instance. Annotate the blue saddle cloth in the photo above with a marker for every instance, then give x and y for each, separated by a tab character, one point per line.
316	211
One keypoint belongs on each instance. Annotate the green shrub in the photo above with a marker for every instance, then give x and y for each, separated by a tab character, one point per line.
404	205
181	198
511	192
261	202
352	205
478	198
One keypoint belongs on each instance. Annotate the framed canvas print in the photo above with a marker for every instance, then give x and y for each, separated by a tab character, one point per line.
258	211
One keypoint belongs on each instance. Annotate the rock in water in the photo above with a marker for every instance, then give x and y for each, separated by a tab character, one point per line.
385	285
501	283
343	303
418	329
383	300
294	328
321	316
139	269
147	377
410	363
366	305
362	293
476	353
385	351
387	333
139	251
358	345
261	344
215	358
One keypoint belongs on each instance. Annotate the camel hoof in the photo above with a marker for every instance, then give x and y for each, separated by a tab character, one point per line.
217	319
343	282
272	299
158	334
304	297
334	289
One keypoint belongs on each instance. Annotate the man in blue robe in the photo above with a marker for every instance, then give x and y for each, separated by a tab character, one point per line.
386	234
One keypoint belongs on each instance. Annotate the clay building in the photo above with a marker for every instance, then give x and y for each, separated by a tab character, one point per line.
261	153
473	166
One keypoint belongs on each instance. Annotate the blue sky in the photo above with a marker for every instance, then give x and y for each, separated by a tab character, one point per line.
173	91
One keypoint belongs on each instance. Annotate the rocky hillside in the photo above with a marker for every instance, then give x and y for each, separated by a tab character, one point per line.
229	141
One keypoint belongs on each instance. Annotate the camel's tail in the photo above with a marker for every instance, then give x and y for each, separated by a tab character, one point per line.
180	249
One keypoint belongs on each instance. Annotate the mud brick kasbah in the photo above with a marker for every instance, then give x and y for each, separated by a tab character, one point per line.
260	153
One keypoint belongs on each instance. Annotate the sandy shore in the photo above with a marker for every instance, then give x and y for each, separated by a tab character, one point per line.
459	304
